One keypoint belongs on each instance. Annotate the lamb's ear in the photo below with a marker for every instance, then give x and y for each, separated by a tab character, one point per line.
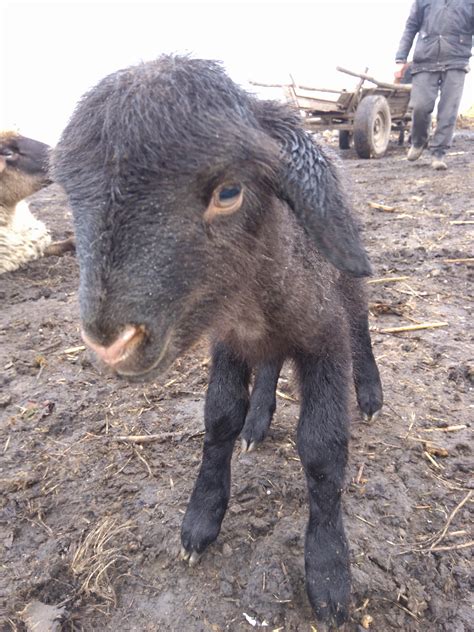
309	183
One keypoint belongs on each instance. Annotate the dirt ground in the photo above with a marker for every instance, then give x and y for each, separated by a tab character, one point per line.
90	520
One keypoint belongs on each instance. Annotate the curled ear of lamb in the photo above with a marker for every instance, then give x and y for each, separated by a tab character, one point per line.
310	184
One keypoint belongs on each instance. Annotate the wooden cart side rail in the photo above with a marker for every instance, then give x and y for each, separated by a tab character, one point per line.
402	87
304	100
290	85
322	123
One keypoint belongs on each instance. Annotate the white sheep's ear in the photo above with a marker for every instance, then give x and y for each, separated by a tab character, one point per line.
309	183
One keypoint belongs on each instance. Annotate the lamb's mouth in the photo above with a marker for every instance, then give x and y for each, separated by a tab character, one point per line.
162	362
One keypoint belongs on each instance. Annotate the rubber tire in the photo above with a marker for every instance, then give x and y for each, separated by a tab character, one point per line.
345	139
372	126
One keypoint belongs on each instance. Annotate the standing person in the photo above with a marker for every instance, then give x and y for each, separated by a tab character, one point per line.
440	63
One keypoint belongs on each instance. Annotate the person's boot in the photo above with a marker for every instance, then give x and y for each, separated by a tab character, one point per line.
439	163
414	152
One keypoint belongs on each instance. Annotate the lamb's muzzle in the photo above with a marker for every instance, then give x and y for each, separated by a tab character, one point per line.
121	349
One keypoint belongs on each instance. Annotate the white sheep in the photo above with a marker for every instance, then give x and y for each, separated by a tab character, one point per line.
23	171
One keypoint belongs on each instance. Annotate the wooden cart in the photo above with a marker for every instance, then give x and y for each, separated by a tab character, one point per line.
364	117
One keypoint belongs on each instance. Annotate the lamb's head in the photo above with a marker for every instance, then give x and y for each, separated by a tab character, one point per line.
23	167
169	177
172	176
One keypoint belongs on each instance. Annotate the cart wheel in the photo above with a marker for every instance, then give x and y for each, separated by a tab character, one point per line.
345	139
372	125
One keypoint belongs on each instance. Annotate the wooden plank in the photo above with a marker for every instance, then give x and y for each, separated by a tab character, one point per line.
354	101
290	85
382	84
315	105
307	94
345	99
290	95
310	103
319	123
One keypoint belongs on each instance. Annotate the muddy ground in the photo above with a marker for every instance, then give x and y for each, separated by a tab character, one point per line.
89	522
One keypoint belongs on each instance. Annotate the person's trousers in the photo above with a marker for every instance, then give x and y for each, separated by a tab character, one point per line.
425	89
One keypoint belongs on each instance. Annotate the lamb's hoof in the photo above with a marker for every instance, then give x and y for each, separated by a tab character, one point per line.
333	617
370	418
255	429
248	447
332	622
191	557
252	435
328	581
369	399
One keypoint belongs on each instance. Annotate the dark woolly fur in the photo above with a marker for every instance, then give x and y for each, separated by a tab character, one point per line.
141	160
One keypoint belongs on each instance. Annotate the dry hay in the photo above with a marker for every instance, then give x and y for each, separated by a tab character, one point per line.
466	119
97	555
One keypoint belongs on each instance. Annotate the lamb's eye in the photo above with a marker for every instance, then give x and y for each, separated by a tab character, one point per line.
228	194
6	152
226	199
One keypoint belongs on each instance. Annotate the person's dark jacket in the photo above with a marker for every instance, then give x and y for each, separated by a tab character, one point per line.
445	29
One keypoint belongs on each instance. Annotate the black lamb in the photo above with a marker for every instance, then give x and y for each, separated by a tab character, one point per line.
200	209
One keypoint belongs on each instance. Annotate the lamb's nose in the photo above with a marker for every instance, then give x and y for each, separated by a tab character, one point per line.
121	348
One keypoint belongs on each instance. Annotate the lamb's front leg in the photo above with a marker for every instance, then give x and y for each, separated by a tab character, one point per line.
224	415
262	404
322	446
365	371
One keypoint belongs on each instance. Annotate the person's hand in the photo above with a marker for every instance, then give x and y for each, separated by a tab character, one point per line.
400	68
